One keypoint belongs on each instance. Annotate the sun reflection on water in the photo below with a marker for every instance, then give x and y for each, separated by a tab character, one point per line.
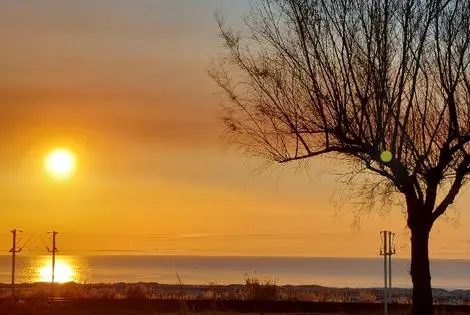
63	272
67	269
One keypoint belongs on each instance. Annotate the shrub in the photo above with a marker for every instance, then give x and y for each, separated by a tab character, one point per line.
256	290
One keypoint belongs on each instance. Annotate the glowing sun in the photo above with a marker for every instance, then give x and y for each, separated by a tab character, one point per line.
60	163
63	272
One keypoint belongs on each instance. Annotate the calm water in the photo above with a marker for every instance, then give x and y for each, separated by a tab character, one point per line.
339	272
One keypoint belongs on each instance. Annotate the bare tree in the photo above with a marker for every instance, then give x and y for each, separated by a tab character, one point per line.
359	79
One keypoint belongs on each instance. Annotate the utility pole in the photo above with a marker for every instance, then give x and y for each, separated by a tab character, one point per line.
387	250
391	238
53	251
383	251
13	252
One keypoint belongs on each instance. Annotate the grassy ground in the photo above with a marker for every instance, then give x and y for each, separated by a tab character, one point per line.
208	307
253	297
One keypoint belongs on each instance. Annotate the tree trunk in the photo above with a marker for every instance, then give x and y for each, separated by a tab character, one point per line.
420	271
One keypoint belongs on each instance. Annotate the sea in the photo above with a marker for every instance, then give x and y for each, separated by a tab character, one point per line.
331	272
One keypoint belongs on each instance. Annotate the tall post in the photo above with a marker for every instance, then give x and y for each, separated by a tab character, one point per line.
53	251
13	252
387	250
390	267
384	253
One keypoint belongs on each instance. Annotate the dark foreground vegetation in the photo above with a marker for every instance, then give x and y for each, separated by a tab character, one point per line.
253	289
183	307
253	297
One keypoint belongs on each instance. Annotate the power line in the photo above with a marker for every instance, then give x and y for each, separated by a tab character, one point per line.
26	243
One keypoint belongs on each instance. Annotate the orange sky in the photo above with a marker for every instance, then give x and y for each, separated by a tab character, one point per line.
124	84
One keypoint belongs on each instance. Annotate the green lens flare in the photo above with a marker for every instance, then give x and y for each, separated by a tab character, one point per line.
386	156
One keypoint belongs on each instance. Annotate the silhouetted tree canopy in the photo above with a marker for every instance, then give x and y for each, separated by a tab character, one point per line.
356	78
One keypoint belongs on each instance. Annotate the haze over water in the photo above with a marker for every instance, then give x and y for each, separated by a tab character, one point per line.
333	272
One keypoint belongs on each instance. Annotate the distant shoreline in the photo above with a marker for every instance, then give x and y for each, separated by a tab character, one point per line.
230	285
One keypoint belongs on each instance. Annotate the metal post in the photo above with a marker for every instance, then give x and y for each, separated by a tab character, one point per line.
53	256
13	264
53	251
13	252
390	267
385	251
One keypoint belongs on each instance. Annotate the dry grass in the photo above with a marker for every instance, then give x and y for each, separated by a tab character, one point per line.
253	289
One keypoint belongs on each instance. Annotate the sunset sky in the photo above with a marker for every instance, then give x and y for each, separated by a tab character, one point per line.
124	85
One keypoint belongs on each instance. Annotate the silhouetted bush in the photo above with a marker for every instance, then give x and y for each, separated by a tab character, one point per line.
256	290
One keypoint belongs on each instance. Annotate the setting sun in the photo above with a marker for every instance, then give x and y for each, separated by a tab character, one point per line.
60	163
63	272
